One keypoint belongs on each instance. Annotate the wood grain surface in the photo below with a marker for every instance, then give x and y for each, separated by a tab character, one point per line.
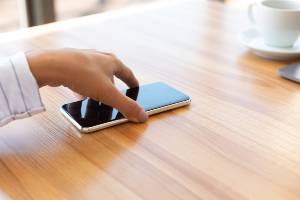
239	139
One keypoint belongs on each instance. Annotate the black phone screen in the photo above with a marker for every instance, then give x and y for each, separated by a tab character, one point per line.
88	113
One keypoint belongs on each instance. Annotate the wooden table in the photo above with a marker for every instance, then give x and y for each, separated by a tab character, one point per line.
239	139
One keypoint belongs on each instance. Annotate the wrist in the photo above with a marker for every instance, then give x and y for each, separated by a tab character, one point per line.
43	68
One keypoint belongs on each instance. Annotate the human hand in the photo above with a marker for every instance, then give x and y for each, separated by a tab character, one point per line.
89	73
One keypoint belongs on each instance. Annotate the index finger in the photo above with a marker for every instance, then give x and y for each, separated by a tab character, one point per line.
126	75
122	71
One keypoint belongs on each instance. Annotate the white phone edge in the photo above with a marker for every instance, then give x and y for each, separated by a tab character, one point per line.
120	121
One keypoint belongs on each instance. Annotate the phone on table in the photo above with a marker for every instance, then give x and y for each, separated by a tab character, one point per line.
89	115
291	72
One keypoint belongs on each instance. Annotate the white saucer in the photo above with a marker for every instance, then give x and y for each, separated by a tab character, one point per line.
251	38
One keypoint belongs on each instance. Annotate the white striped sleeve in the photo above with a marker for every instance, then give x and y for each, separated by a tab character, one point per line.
19	92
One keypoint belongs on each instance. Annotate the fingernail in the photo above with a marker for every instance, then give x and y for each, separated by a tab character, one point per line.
142	117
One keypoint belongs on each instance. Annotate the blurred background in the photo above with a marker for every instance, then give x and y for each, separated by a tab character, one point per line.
15	14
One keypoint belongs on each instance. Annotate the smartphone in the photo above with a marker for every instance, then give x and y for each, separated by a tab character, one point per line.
89	115
291	72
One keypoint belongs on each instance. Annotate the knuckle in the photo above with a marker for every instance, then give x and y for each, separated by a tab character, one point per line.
112	56
127	74
113	60
130	73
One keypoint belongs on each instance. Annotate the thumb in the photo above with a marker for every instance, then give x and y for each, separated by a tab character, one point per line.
128	107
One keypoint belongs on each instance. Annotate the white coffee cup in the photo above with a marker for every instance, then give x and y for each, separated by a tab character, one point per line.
278	21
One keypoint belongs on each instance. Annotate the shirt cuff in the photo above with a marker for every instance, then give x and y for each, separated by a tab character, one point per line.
18	89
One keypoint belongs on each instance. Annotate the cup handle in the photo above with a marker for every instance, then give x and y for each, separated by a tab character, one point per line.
251	11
